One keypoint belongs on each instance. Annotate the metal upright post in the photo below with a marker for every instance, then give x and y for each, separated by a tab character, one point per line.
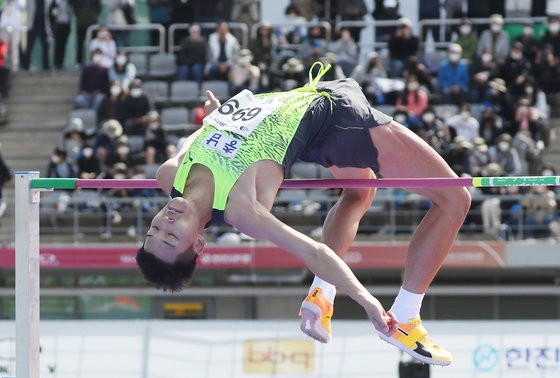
27	275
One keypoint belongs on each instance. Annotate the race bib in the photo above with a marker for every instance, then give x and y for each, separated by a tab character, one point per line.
242	113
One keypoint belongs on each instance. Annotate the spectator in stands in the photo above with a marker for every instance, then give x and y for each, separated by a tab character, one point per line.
192	56
400	115
352	10
551	38
495	38
537	98
11	18
531	45
88	165
93	83
483	69
491	126
60	13
385	10
136	107
529	152
243	74
415	67
335	72
505	155
155	141
5	177
73	139
314	48
122	70
453	76
527	119
87	12
429	9
112	106
415	100
104	42
292	74
346	51
546	70
4	71
37	14
458	155
500	100
478	157
60	166
367	76
245	11
433	131
121	13
223	48
514	70
160	11
264	48
490	208
402	45
464	124
104	141
540	206
122	153
294	32
467	40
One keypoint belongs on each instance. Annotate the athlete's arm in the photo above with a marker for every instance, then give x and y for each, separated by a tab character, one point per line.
256	221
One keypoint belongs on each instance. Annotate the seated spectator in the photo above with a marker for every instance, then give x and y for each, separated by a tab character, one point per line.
60	166
415	67
514	70
112	106
346	51
531	45
453	76
490	208
458	155
88	165
264	48
491	126
352	10
529	152
385	10
122	70
551	38
500	100
314	48
527	119
104	141
335	72
467	40
294	32
546	70
478	157
434	128
464	124
73	139
540	206
223	48
536	97
155	142
483	68
505	155
400	115
243	74
136	106
93	83
192	56
402	45
123	154
4	71
415	100
293	74
495	38
367	74
105	43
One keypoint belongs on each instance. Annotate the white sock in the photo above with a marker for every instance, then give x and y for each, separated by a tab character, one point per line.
407	305
328	289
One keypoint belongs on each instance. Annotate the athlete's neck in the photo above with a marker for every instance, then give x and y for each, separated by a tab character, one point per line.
199	191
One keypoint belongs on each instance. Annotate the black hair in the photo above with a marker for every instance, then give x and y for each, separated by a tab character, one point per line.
172	277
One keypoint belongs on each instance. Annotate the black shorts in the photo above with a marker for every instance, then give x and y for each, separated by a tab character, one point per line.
340	138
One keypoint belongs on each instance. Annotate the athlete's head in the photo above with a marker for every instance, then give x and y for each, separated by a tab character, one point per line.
173	242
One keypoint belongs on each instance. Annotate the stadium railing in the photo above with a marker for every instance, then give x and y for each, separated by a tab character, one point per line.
159	48
242	27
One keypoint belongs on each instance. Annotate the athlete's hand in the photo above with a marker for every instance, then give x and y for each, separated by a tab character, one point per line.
211	104
384	322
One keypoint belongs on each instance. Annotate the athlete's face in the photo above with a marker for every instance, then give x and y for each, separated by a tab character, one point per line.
173	231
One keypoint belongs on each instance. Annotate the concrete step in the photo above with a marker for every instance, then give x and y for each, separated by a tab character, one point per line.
53	126
32	116
8	136
67	100
40	108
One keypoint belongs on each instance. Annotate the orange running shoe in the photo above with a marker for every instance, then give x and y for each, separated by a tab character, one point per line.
316	313
413	339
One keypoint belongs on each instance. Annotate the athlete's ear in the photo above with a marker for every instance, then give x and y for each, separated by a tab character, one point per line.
198	245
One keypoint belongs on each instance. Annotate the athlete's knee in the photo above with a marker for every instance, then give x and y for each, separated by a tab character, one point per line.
454	202
359	196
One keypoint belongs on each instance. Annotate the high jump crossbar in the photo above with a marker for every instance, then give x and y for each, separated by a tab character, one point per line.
29	186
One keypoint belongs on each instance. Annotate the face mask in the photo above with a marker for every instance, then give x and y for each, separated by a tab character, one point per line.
523	109
465	29
516	55
400	118
429	117
540	189
120	60
496	28
547	172
119	176
136	92
465	114
55	159
503	146
115	90
486	58
153	125
412	86
527	31
123	150
103	35
88	152
554	27
529	90
454	57
97	58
